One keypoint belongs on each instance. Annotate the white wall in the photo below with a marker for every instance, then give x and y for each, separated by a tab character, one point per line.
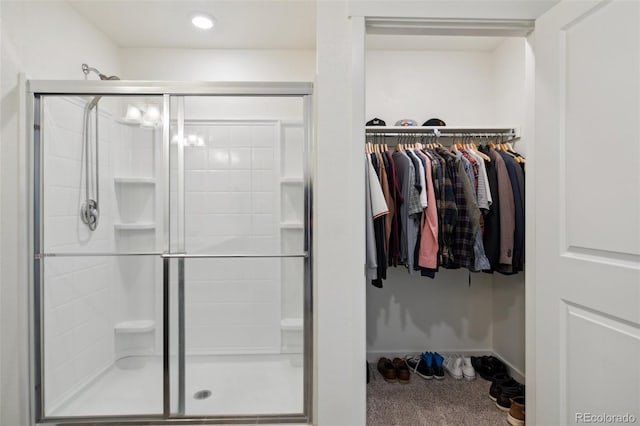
453	86
44	40
513	75
218	64
413	314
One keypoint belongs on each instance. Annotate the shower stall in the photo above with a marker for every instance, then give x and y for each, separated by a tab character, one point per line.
183	293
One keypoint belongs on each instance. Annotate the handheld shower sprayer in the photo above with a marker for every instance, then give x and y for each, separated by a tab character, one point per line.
90	208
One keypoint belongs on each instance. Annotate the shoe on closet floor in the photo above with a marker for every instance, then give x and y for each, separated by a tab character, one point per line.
453	365
516	412
418	366
387	370
503	402
436	364
468	371
488	366
502	379
402	371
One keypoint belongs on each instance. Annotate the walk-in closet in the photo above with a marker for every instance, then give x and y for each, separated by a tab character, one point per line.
479	87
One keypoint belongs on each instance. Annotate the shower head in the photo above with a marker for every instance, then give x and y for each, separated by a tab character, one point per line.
110	77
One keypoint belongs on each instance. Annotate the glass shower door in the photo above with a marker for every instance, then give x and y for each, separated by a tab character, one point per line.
238	221
171	269
98	245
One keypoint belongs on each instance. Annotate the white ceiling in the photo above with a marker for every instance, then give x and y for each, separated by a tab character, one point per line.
240	24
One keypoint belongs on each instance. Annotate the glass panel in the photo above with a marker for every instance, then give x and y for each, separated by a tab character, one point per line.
102	335
243	163
244	336
115	187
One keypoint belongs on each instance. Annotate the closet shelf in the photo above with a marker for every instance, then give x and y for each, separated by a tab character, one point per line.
135	180
136	226
291	180
292	225
448	131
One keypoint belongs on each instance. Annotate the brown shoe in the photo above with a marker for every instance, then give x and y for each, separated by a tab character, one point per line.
516	412
386	368
402	370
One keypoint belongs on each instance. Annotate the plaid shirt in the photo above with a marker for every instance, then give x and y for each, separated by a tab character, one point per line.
464	232
480	261
448	208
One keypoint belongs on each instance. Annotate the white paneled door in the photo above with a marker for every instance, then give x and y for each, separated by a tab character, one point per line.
587	217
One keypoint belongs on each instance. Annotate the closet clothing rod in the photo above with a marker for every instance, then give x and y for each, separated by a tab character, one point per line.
443	131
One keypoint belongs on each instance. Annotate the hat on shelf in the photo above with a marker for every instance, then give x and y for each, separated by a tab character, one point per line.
434	122
376	122
405	122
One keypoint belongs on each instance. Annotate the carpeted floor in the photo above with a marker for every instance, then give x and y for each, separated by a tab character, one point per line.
431	402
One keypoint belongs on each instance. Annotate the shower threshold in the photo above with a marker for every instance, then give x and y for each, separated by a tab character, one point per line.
214	385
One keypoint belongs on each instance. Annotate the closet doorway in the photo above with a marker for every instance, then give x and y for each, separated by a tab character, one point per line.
581	285
478	86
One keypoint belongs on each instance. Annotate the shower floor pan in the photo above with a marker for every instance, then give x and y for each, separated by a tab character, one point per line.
214	385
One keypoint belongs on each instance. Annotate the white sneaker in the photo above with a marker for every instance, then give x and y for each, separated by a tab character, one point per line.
453	365
467	369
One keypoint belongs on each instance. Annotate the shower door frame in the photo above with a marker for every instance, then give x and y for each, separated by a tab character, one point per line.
36	89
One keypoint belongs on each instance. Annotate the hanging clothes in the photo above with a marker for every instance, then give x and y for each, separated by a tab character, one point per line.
491	235
428	257
431	208
376	209
409	209
507	214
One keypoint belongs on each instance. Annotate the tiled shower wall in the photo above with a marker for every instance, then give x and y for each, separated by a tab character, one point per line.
78	332
232	207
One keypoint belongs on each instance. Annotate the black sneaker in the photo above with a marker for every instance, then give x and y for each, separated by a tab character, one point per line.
419	367
501	379
503	401
488	366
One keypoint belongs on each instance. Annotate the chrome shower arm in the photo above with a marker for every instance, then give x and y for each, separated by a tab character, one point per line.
86	69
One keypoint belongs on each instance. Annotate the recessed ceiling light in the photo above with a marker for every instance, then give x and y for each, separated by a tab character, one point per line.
202	21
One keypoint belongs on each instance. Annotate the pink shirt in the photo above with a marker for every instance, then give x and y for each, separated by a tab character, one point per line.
428	254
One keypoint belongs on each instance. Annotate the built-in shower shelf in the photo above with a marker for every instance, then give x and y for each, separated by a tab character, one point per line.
135	123
135	180
291	225
139	226
291	180
137	326
291	324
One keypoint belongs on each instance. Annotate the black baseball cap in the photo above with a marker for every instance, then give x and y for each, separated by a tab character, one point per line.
376	122
434	122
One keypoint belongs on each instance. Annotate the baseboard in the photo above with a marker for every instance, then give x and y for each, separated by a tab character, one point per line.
373	356
515	372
